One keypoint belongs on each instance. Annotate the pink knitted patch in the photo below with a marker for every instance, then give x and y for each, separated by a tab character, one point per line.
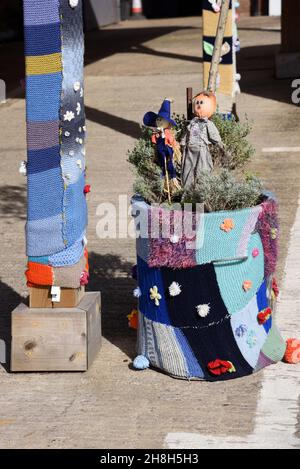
266	224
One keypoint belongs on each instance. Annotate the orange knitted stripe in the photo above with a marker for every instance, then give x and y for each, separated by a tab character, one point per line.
39	274
86	255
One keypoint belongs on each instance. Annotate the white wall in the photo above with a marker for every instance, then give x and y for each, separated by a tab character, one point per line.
274	7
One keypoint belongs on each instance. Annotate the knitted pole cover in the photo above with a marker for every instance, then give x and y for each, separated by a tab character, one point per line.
57	211
206	303
227	67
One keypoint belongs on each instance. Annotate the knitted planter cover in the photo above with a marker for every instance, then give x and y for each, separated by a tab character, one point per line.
205	304
57	212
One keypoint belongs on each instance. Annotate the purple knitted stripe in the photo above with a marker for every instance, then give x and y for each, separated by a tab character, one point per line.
42	135
41	12
247	230
263	361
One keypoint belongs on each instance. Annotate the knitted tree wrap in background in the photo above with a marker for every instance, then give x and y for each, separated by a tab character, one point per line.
211	317
57	211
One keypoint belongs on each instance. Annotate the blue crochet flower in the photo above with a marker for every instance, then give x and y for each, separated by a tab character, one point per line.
241	330
251	339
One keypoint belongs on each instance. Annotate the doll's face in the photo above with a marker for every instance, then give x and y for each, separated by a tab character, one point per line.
204	106
162	123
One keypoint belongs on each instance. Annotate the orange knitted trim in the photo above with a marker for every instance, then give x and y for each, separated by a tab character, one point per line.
39	274
86	255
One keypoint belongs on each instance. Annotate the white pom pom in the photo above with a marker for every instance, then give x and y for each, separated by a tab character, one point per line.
73	3
174	289
137	292
203	310
76	86
174	239
23	168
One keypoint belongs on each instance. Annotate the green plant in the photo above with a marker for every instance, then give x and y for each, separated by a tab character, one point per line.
234	135
148	181
223	191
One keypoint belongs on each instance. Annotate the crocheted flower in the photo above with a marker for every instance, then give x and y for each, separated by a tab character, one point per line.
292	352
273	233
255	252
251	339
67	133
73	3
155	295
87	189
81	94
69	115
264	315
137	292
79	163
78	109
241	330
133	319
203	310
174	289
219	367
76	86
84	278
227	225
247	285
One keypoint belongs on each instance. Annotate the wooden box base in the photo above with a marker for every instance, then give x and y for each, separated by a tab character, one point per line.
40	297
57	339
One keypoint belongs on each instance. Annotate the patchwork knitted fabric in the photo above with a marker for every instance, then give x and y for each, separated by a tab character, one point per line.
212	320
57	212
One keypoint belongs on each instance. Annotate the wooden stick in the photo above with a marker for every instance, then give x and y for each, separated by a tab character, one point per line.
212	79
168	182
189	103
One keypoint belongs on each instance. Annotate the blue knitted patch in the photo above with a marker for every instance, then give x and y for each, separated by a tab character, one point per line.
43	160
262	303
43	97
249	335
68	256
41	12
45	195
39	259
75	211
44	236
194	369
42	39
148	278
231	276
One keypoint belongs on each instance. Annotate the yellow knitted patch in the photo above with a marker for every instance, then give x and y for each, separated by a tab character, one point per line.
42	64
210	23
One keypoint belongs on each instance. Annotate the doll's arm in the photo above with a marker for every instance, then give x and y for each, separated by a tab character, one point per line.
213	134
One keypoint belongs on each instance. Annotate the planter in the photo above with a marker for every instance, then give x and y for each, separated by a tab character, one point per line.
206	300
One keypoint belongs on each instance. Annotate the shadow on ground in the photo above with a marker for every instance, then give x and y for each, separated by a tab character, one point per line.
9	300
119	124
112	276
13	201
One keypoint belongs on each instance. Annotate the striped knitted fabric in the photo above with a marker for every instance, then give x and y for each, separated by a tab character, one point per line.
57	211
227	66
213	319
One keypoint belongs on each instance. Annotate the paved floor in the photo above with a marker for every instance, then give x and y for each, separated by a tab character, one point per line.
130	69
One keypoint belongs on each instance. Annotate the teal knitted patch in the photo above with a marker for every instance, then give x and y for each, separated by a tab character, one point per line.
232	275
274	347
225	235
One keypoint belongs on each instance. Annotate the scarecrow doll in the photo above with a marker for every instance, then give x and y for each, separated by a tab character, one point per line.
165	143
201	132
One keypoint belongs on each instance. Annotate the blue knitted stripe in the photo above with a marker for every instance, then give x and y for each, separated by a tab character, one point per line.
39	259
44	236
43	160
45	194
43	97
42	39
68	256
263	302
195	370
75	210
38	12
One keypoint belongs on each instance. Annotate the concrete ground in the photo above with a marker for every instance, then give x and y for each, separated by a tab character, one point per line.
130	68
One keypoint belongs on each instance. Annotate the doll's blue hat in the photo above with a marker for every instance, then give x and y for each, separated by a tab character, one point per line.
164	112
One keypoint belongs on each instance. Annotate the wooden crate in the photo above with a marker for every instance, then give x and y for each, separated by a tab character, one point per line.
59	339
40	297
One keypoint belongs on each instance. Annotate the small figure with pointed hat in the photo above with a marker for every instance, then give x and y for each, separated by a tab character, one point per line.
165	143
